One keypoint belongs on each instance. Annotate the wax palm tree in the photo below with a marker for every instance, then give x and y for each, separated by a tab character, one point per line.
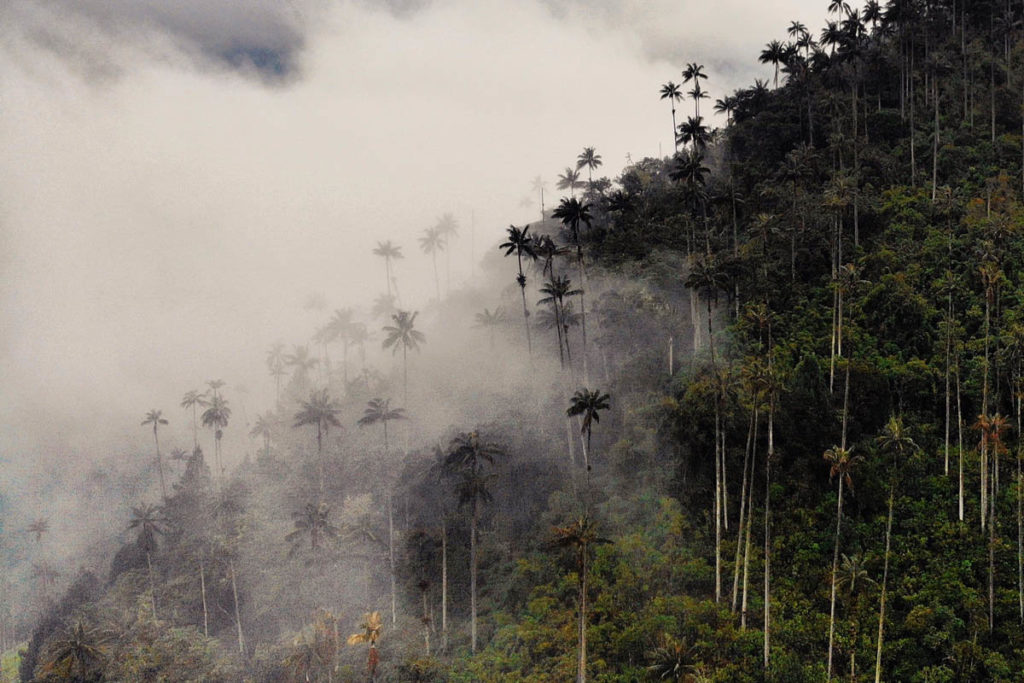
539	186
314	522
431	243
589	159
556	289
694	131
842	461
671	92
380	410
725	105
193	399
155	418
697	94
322	412
448	228
76	655
145	518
589	403
264	428
579	536
695	72
405	335
301	363
573	213
568	180
389	252
894	440
39	527
370	632
521	243
491	321
342	328
466	458
216	417
547	251
774	53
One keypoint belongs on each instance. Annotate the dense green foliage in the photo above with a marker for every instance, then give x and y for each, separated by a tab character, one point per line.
795	348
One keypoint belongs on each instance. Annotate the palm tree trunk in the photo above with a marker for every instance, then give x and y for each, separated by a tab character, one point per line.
405	375
835	570
949	341
387	274
472	574
960	442
583	312
743	505
581	670
935	141
391	559
746	550
718	510
767	526
202	587
152	583
885	579
444	585
238	616
675	138
320	459
159	463
526	319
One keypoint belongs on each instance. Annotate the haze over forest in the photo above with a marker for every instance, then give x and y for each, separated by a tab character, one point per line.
545	341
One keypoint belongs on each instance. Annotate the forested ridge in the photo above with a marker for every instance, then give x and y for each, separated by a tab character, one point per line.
750	412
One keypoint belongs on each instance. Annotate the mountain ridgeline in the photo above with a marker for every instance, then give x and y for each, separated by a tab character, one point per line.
751	412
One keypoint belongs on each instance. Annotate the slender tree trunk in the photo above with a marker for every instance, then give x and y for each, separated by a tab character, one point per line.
743	508
238	615
718	511
835	570
202	587
444	585
581	670
949	343
1020	517
152	583
159	463
387	274
960	443
767	527
885	580
472	574
437	278
746	551
526	322
391	559
583	313
935	140
675	137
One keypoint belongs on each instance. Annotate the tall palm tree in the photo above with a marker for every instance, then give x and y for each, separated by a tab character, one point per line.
467	456
276	366
590	160
580	535
697	94
694	72
216	417
589	403
389	252
893	439
539	186
431	243
342	328
520	243
572	213
301	363
322	412
490	321
448	228
568	180
193	399
694	131
671	92
726	105
155	417
403	334
774	53
264	428
556	289
842	462
380	410
145	518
